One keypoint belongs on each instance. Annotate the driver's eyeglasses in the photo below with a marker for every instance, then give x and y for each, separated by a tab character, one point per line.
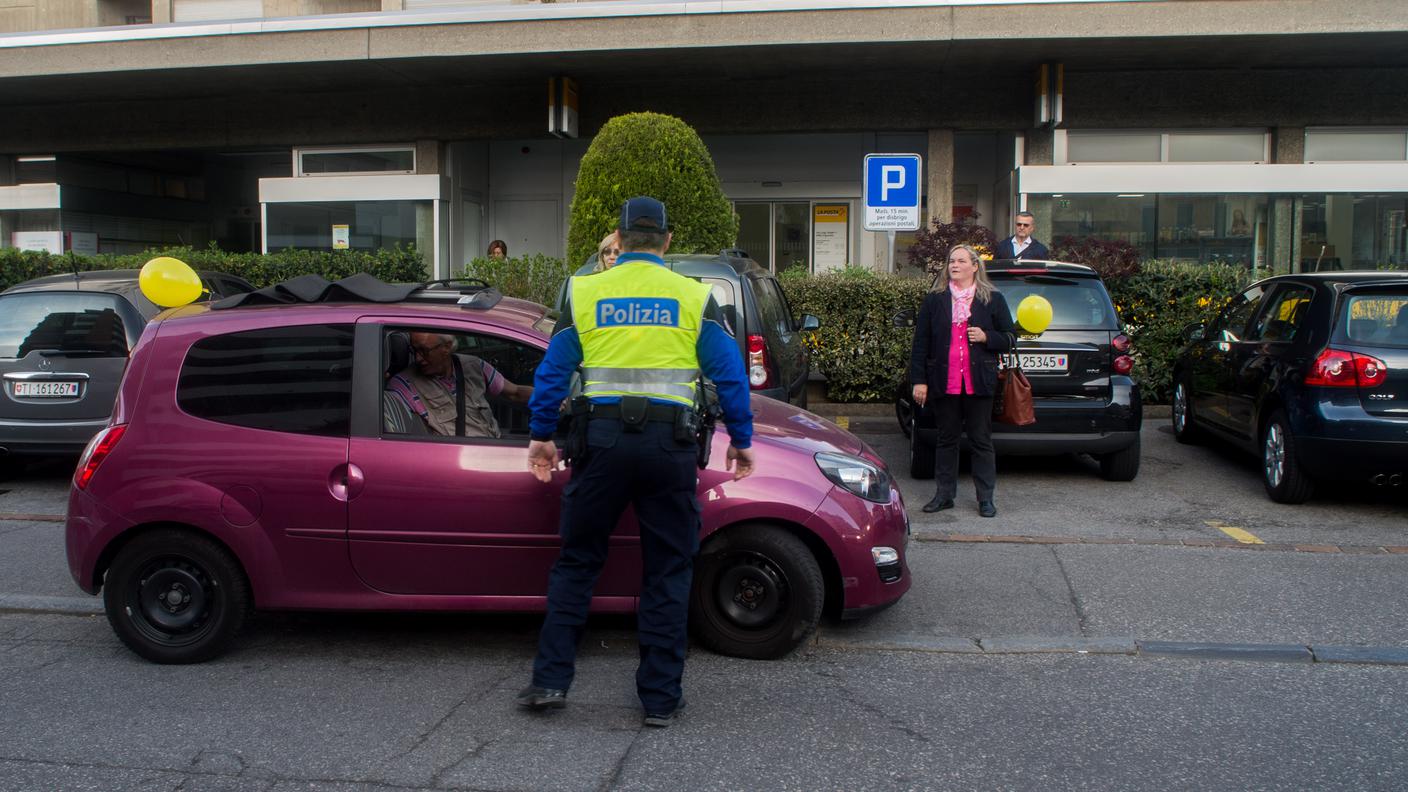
421	351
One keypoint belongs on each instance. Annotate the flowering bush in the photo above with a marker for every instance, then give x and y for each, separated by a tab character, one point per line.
932	245
1158	301
1109	257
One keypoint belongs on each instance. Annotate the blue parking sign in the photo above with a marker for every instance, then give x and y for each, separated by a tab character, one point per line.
892	191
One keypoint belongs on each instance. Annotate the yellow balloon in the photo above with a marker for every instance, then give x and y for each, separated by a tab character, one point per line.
169	282
1034	313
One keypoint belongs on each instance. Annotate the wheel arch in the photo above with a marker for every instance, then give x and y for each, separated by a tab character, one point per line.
834	595
105	558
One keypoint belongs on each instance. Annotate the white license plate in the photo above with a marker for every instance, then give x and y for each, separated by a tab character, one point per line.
1045	362
46	389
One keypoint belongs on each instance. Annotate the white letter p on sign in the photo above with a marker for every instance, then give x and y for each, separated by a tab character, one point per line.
891	178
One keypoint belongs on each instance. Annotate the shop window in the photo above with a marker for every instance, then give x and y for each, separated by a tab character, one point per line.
1112	147
1354	231
1233	145
1217	146
360	161
1354	145
359	225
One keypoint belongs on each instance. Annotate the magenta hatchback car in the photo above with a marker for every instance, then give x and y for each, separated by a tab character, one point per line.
253	462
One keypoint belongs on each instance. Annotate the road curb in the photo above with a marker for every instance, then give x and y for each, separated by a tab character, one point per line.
921	535
1170	650
23	517
30	603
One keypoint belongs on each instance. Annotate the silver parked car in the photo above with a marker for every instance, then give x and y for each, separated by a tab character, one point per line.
64	341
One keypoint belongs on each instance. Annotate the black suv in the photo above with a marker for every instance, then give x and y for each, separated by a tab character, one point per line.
756	310
64	341
1085	400
1308	371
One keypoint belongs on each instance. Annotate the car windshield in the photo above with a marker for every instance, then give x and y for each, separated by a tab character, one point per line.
1378	318
62	322
1076	303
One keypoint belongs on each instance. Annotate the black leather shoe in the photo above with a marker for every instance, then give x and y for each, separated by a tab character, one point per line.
662	720
541	698
986	509
938	504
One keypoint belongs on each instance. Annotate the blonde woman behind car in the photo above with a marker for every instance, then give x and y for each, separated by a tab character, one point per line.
606	253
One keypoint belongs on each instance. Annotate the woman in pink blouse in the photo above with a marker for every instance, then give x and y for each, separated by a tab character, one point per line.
963	326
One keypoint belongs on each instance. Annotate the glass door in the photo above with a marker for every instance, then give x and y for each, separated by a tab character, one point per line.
776	234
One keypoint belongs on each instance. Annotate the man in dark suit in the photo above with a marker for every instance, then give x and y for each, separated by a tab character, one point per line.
1022	245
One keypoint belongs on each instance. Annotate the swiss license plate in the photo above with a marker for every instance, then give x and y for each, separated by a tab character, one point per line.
46	389
1050	361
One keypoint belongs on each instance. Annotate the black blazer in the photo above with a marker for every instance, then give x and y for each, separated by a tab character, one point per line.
928	358
1035	250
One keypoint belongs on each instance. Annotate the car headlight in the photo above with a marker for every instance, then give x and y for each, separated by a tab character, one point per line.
856	476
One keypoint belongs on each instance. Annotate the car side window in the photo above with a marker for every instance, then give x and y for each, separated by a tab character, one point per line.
771	306
419	393
1232	324
1283	316
284	379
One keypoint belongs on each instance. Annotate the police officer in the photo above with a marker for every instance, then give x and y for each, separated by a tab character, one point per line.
641	334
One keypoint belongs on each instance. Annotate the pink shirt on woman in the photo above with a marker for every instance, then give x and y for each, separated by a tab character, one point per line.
960	373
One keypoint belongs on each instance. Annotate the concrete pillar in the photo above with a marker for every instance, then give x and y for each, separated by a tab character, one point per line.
427	156
1288	145
940	182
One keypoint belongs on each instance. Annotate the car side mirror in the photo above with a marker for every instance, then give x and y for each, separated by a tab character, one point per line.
1194	332
809	323
903	318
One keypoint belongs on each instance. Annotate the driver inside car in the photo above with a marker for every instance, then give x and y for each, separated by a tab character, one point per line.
430	388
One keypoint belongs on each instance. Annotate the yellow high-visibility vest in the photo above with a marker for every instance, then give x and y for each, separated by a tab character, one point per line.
638	323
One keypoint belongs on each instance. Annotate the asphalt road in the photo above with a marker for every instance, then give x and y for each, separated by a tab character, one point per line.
1025	657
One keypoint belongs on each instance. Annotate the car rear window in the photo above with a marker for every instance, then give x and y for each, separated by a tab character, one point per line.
284	379
61	321
1076	303
1378	318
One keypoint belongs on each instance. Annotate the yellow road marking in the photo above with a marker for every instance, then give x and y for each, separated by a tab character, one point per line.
1240	534
843	421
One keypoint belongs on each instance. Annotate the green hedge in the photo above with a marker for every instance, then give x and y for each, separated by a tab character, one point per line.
1158	301
863	356
403	265
537	278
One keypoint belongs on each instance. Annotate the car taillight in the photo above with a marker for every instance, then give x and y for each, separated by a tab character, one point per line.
98	449
759	375
1123	364
1336	368
1120	343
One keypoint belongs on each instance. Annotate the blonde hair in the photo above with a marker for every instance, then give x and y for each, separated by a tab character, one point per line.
601	248
980	276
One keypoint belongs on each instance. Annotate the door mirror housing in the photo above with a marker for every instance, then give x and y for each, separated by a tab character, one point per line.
1194	332
809	323
904	318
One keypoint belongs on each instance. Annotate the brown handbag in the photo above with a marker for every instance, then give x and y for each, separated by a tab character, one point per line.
1012	404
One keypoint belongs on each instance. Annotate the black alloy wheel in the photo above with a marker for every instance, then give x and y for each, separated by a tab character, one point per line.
1282	475
1184	430
175	596
758	593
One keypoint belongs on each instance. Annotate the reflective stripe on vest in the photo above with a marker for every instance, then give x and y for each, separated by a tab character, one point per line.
639	323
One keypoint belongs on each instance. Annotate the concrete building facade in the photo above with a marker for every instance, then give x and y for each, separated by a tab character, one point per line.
1271	133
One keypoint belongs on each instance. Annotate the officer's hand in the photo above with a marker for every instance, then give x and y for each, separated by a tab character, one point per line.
744	458
542	459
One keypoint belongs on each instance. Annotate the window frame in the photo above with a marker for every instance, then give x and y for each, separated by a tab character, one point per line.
300	151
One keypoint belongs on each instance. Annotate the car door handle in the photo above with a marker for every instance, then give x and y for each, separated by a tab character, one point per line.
346	482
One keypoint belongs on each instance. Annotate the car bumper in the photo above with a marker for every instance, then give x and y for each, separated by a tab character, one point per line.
47	438
1352	460
1339	440
855	526
88	529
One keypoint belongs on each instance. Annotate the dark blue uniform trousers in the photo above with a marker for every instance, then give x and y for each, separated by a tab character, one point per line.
656	474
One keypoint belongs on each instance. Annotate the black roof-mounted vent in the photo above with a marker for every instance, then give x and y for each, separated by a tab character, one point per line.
364	288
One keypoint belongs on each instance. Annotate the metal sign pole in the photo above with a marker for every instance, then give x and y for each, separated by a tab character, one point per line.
891	259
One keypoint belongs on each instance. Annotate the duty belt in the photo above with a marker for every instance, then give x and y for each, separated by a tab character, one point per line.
660	413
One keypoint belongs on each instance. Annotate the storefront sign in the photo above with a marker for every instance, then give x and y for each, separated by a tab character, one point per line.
830	236
562	107
341	237
47	241
84	243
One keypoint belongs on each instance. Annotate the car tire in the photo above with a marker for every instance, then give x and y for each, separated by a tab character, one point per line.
1122	465
1281	472
757	594
1184	430
175	597
921	455
10	468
